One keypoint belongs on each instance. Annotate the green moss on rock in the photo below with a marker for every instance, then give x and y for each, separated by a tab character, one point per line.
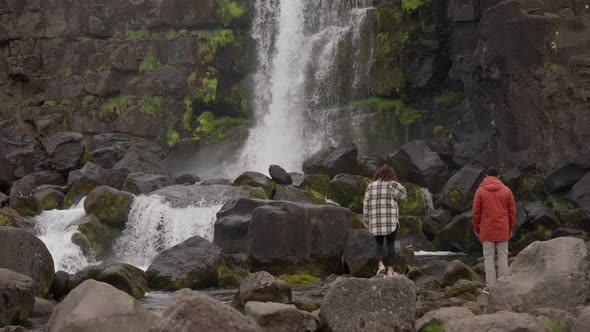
299	279
10	218
316	183
230	277
413	205
349	191
101	237
111	206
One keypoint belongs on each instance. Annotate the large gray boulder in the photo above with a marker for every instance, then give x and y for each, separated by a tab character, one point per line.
580	193
90	170
95	306
415	162
566	174
448	273
24	253
457	194
143	183
20	154
65	150
292	194
281	317
141	161
17	297
538	214
550	274
22	192
331	161
262	287
500	321
279	235
125	142
353	304
279	175
360	253
193	311
190	264
349	190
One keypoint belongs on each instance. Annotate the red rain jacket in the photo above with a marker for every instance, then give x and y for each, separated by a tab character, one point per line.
494	211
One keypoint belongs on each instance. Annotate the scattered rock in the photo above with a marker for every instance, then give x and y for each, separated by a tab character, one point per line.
262	287
82	241
125	277
349	190
193	309
457	194
65	150
142	183
106	157
10	218
255	179
24	253
564	176
500	321
360	254
281	317
447	273
331	161
410	234
416	163
187	179
81	187
279	175
563	318
140	161
20	154
444	315
90	170
110	205
580	193
540	215
50	199
17	297
22	197
292	194
370	165
190	264
43	307
551	274
458	235
354	304
125	142
3	200
100	236
211	182
315	183
114	310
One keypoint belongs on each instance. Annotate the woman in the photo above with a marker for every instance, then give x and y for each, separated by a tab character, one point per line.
380	213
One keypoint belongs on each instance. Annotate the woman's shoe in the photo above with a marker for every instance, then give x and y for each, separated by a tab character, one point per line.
380	270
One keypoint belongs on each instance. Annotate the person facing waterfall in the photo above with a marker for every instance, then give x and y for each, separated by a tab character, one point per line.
494	216
381	213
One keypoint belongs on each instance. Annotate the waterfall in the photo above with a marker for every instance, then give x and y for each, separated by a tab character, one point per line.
310	55
55	228
428	202
154	226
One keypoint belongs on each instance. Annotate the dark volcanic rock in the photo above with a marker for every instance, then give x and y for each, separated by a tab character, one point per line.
349	190
90	170
22	193
540	215
262	287
360	254
65	150
292	194
26	254
416	163
458	235
140	161
568	173
142	183
279	175
191	264
457	194
110	205
580	193
187	179
125	142
281	317
20	154
17	292
370	165
125	277
331	161
106	157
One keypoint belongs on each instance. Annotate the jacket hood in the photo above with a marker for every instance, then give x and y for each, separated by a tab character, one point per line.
491	183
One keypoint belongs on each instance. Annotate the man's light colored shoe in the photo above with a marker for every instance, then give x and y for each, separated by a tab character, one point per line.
486	290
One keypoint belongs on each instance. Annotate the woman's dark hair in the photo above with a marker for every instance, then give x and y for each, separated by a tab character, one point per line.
385	173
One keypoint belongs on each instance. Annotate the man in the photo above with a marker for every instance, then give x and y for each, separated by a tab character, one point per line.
494	215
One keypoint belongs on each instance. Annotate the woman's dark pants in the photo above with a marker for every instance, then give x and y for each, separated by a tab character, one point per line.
390	240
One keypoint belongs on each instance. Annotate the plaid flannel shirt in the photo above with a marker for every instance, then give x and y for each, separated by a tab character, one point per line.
380	208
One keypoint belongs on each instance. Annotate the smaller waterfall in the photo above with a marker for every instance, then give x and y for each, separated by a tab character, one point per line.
55	228
154	226
428	202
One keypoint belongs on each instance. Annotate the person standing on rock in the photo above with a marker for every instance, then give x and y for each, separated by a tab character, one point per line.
381	213
494	216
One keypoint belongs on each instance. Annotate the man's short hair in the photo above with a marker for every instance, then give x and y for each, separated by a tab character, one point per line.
492	171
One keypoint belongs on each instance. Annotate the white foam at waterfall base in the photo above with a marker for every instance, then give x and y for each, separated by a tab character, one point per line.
55	228
154	226
428	202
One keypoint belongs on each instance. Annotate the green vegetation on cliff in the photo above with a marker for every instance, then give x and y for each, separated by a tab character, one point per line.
150	62
402	114
230	10
152	105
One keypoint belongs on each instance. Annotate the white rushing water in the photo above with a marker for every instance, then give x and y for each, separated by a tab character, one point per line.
309	56
154	226
55	228
428	202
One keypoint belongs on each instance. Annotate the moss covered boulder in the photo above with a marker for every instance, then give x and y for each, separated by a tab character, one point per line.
349	190
101	236
457	194
80	189
230	275
50	199
191	264
331	161
458	235
448	273
317	183
10	218
255	179
83	243
17	292
125	277
110	205
292	194
410	233
262	287
22	197
413	205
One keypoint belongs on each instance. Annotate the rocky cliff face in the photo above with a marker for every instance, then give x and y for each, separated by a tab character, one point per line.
147	68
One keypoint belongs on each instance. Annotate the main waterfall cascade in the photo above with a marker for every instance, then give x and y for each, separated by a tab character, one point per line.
311	55
154	226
